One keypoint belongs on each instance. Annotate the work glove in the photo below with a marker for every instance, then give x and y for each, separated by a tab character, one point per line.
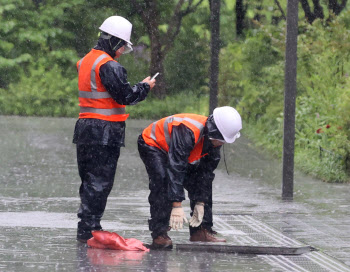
177	218
198	213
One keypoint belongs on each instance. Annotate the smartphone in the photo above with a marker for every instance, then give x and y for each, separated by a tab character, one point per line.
155	76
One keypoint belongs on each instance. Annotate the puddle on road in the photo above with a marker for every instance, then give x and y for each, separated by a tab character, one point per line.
39	189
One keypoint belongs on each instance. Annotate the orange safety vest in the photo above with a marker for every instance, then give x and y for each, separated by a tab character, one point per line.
158	133
94	99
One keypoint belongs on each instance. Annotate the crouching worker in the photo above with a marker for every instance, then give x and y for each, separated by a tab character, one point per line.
181	152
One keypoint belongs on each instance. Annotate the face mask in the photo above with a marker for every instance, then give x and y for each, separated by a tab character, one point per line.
127	48
213	132
120	43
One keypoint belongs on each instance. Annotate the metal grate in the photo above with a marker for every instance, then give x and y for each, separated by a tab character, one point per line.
247	230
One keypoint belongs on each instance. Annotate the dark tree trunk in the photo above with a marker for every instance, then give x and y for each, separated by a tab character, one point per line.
157	55
258	16
215	50
318	10
157	66
240	15
281	10
335	7
312	15
161	43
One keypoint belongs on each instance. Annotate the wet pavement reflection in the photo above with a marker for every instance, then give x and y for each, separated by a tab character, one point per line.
39	200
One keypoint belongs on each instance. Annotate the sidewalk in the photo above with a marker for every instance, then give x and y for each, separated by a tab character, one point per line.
39	201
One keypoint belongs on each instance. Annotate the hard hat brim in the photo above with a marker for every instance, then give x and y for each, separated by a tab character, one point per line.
221	126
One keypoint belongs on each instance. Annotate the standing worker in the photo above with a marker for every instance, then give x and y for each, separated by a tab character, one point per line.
181	152
100	130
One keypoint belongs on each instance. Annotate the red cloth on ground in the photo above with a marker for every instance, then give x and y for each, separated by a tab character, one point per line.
111	240
115	257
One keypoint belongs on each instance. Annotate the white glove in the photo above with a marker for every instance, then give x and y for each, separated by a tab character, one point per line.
198	213
177	218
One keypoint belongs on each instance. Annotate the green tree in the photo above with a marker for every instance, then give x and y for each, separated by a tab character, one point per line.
163	23
36	33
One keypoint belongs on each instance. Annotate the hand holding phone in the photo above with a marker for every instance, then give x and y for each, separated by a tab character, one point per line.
155	76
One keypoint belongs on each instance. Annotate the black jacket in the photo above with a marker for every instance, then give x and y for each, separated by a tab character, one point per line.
180	171
114	79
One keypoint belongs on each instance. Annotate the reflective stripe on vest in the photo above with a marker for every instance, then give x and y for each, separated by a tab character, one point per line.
107	112
92	75
162	128
79	64
94	95
171	119
95	101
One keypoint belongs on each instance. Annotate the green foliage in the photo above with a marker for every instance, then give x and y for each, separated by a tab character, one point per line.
137	66
323	105
48	93
252	65
43	93
32	30
185	102
187	64
322	141
41	41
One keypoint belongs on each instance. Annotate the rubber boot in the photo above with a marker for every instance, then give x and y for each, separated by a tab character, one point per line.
162	241
84	230
205	235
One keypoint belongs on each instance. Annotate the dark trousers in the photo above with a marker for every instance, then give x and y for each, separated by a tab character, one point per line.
156	162
97	165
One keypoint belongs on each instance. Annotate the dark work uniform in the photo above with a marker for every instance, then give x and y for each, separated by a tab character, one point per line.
170	173
99	141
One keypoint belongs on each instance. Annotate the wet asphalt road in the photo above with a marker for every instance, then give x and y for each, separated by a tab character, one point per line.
39	200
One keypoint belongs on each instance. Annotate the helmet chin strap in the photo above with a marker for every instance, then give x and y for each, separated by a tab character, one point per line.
223	151
108	37
115	48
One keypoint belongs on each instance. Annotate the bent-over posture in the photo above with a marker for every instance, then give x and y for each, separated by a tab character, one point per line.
181	152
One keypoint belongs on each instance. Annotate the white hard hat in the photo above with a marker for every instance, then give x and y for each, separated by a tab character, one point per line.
228	122
117	26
